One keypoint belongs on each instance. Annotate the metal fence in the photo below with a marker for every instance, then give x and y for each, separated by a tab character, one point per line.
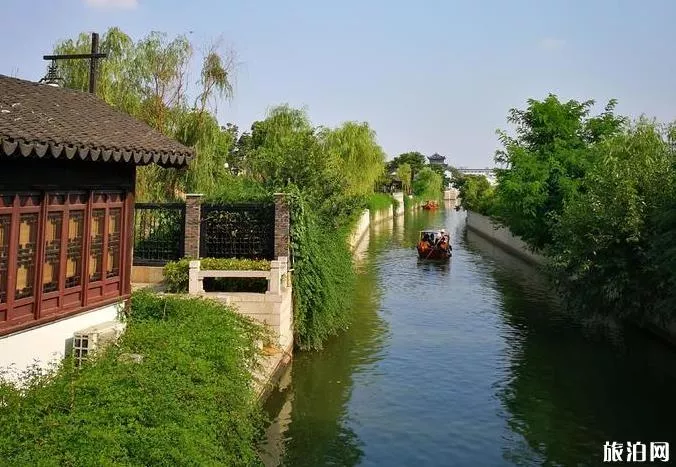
237	231
159	231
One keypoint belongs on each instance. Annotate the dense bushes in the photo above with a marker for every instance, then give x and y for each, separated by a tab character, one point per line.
597	196
612	246
323	276
176	272
188	402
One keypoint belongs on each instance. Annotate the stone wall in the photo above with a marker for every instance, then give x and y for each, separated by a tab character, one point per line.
501	236
193	207
361	229
282	225
399	198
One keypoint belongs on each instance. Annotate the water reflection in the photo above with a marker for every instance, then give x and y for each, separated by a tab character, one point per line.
470	362
571	387
311	426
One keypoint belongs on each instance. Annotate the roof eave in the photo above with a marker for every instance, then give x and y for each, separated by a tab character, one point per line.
11	147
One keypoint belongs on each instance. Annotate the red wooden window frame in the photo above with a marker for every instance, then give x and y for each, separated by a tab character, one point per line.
58	237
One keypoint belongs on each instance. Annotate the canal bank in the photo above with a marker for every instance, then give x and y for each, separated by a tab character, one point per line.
503	238
468	363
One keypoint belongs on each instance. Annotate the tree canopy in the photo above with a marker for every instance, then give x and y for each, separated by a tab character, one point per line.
546	161
148	79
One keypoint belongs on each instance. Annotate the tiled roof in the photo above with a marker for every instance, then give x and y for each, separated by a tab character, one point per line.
436	156
41	120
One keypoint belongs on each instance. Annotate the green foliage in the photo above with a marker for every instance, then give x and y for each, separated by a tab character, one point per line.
411	200
404	173
613	248
335	169
428	184
176	272
414	159
380	201
546	161
188	402
360	158
239	189
441	170
323	276
476	193
148	79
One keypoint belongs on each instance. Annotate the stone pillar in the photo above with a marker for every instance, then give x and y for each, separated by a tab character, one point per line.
193	205
282	225
195	284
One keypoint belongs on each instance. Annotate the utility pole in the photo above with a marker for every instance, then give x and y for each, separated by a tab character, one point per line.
93	58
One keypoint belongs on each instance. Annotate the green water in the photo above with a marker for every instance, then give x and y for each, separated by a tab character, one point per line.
469	363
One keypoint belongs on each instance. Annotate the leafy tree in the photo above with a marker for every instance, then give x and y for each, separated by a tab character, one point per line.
441	170
427	184
286	151
361	158
476	194
404	174
148	80
546	161
612	248
414	159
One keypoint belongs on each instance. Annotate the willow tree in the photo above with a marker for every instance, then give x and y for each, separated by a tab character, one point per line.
404	174
148	79
361	159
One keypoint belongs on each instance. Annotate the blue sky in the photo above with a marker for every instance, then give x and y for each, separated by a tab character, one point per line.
437	76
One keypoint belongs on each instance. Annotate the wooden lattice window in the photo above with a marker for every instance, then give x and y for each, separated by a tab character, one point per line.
59	253
5	220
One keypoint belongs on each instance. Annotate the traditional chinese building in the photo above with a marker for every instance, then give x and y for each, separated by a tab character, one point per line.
437	159
67	175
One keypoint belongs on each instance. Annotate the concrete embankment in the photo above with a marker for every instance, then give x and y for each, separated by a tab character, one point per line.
501	236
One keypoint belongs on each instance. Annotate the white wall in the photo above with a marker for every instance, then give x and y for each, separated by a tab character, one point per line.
46	345
275	310
399	197
502	236
360	229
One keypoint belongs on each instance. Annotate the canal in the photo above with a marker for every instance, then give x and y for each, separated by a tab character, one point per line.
469	363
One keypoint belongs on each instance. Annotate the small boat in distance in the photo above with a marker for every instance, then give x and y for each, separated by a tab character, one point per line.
434	245
430	205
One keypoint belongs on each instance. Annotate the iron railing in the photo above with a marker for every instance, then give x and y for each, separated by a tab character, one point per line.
159	231
237	231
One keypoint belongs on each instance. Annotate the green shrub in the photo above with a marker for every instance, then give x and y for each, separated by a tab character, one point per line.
239	189
412	200
176	273
380	201
189	401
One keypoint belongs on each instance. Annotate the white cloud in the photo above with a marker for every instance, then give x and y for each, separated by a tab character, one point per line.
551	43
122	4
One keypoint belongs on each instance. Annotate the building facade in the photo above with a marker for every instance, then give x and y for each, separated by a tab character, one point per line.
67	176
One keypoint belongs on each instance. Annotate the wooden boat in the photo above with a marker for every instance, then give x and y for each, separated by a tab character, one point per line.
430	205
434	245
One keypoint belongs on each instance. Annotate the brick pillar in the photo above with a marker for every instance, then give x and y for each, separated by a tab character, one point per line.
282	225
193	204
